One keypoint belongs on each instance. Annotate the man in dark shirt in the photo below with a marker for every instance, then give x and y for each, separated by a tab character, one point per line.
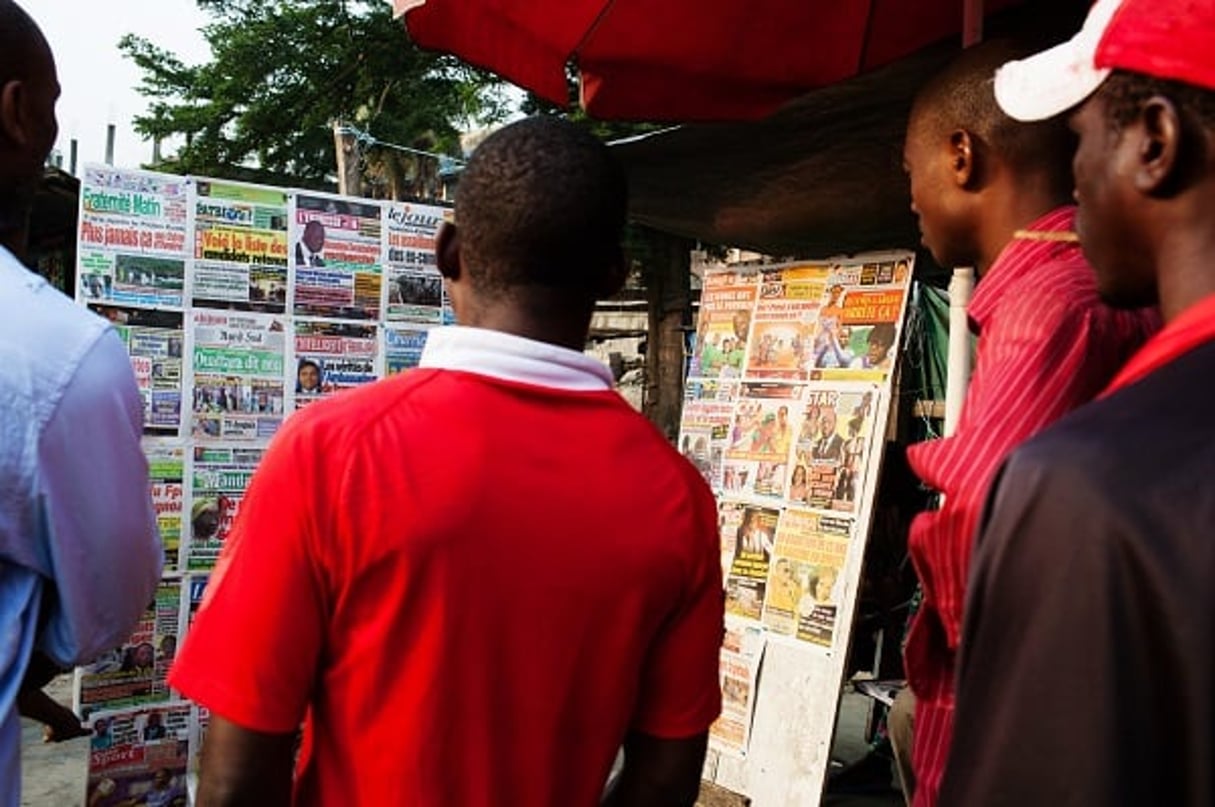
1088	651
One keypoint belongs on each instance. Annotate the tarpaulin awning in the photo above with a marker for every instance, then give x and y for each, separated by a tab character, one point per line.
823	175
682	60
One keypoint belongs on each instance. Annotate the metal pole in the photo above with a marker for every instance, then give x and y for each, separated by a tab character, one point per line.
111	132
958	375
972	22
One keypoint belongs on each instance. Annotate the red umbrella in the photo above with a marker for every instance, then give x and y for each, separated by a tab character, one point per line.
683	60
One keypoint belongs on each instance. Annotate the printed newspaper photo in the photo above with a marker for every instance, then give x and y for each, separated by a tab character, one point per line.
338	247
166	470
238	388
332	356
153	340
858	321
834	437
804	589
138	757
785	321
760	441
727	302
219	477
742	653
132	238
240	247
749	530
415	287
403	347
135	672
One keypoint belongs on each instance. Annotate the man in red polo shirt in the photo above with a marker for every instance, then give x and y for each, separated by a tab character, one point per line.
474	582
1089	646
995	195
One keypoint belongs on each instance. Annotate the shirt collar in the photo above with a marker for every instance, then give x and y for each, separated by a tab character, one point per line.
1019	256
1191	329
513	358
11	266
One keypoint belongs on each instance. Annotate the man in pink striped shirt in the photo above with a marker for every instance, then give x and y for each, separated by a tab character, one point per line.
994	195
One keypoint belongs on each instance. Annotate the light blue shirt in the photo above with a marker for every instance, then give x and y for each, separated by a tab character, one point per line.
79	551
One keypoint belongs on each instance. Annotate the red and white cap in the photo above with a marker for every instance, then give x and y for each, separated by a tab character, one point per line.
1166	39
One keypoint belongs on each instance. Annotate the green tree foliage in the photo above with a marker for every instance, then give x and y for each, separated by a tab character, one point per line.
284	70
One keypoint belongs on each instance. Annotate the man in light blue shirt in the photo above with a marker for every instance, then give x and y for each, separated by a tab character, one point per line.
79	552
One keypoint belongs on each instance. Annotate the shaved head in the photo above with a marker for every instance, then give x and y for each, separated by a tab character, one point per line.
973	170
20	39
963	97
28	90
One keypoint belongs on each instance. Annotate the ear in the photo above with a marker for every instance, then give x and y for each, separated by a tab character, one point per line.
1158	152
961	157
12	99
614	276
447	251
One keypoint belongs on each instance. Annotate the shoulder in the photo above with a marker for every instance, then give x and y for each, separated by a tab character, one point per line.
44	337
1077	474
342	420
1062	284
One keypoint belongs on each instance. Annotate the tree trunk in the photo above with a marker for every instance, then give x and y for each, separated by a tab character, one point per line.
667	275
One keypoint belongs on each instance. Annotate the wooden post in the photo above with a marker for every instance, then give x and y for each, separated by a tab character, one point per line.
349	161
667	274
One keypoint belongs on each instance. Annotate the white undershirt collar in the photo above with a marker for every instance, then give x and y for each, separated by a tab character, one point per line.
513	358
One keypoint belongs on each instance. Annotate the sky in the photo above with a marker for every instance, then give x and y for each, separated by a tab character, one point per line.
98	81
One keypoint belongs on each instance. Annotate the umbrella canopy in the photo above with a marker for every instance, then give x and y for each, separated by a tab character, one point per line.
682	60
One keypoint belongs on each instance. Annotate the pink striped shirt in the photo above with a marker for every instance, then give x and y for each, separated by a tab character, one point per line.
1046	346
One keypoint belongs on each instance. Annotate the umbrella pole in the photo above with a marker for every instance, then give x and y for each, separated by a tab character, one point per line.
972	22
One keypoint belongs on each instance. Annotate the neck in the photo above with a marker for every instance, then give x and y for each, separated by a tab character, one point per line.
553	325
1011	207
1183	266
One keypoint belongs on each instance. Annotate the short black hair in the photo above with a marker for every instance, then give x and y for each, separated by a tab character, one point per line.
1124	92
962	96
542	202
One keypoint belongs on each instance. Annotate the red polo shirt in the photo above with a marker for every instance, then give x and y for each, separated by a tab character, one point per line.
1046	346
472	580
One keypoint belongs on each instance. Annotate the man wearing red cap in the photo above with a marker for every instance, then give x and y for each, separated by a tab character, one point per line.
1088	653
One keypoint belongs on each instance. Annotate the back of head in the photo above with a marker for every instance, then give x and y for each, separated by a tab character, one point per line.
963	97
27	124
542	204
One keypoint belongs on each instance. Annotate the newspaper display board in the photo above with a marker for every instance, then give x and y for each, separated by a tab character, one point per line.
788	397
222	292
